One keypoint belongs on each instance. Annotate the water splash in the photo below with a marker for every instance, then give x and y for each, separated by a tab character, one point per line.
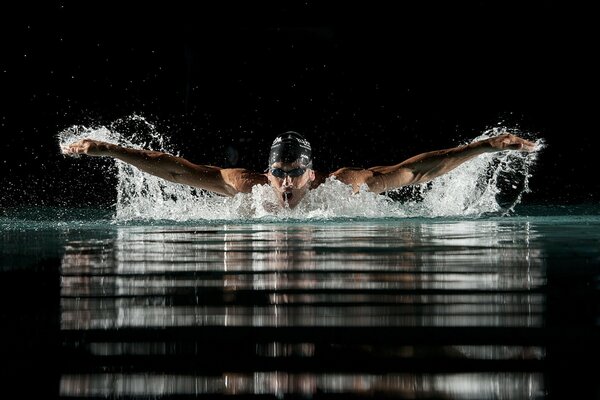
490	183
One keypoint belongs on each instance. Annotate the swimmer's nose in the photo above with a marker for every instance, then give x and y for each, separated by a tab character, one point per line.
287	181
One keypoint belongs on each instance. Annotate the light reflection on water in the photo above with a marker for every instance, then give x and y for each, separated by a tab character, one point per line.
437	275
469	273
455	386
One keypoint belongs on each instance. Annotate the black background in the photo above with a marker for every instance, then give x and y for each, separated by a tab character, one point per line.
368	83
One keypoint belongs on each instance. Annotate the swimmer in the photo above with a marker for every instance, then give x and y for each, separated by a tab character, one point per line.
290	167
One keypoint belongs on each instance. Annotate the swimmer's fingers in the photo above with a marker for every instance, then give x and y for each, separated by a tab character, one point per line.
88	147
509	141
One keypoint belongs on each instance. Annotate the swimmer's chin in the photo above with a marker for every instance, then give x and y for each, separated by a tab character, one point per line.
289	200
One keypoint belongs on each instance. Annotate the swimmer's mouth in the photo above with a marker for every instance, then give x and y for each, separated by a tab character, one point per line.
287	196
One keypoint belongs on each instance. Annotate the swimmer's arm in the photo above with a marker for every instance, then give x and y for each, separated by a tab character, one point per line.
427	166
174	169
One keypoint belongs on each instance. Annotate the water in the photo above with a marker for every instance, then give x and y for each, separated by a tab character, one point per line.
455	289
490	183
485	307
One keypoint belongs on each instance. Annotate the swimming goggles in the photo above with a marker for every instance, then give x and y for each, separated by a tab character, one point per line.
294	173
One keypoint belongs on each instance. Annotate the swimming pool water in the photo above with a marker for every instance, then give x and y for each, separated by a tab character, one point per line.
464	308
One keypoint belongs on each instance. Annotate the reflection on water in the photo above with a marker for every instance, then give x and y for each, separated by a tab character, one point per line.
455	386
271	309
453	274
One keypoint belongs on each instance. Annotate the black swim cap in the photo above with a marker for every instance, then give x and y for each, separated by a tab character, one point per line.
290	147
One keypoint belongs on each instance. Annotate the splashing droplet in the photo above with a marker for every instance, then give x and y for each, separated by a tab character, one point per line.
489	183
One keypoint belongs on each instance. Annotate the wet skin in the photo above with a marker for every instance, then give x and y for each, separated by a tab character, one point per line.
290	190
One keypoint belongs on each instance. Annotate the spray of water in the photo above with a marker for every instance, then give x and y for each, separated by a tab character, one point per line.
490	183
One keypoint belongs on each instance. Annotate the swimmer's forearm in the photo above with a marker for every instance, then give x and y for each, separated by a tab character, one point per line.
424	167
162	165
430	165
166	166
156	163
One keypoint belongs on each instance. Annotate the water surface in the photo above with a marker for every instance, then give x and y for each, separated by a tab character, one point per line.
473	307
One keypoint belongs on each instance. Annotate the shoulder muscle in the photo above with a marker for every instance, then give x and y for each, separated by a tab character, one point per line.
241	180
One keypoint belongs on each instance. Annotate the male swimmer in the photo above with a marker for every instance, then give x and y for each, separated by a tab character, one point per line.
290	172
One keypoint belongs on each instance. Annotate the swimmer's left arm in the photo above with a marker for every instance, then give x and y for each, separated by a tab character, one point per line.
427	166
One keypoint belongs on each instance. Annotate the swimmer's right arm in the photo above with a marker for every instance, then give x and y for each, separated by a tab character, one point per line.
166	166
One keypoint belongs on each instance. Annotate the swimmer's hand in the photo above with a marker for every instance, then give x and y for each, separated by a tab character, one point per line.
508	141
88	147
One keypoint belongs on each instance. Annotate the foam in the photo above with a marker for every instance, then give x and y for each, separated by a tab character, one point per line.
490	183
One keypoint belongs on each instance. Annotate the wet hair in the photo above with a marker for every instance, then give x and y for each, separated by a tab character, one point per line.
291	147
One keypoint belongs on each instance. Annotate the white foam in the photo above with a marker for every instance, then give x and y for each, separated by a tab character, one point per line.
474	188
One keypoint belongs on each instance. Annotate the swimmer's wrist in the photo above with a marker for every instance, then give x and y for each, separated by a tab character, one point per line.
482	146
106	149
111	150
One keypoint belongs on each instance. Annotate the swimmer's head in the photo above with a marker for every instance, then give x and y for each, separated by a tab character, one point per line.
290	171
291	147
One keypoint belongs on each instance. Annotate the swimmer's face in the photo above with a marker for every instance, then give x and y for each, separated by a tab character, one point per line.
290	181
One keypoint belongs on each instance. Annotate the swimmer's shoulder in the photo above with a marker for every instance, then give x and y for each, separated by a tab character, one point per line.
320	178
242	180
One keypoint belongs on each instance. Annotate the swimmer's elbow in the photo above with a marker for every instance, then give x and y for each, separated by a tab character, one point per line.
376	183
380	183
204	181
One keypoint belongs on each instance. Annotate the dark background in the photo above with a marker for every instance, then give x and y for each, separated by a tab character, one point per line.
368	83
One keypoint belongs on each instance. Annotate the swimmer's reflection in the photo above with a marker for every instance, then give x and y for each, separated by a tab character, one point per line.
465	273
510	385
410	275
